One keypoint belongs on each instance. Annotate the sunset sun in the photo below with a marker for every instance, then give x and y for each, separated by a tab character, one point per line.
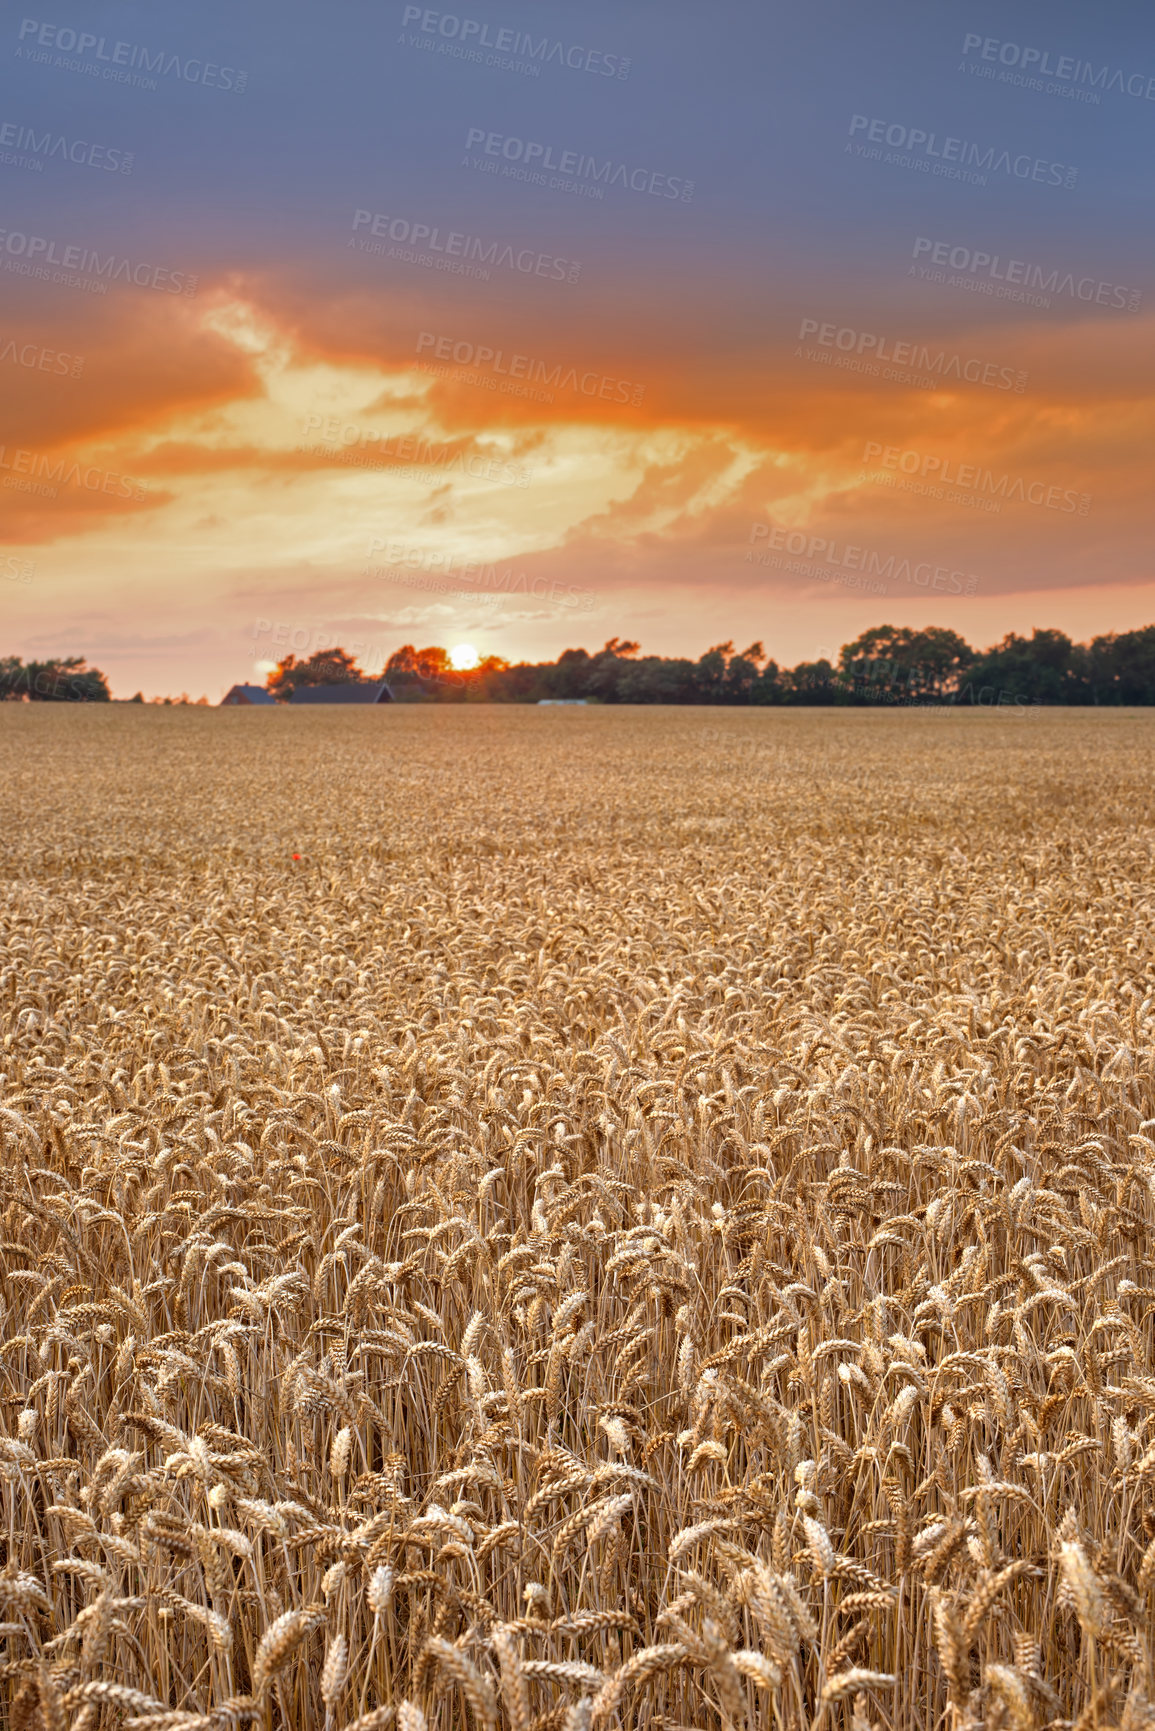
463	657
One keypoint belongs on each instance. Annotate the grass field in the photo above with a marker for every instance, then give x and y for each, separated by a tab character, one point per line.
648	1221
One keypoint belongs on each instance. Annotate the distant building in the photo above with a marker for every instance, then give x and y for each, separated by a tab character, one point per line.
241	694
351	691
558	702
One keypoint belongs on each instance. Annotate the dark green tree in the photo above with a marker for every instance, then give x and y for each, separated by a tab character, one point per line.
1041	668
63	679
326	667
896	663
811	682
1120	667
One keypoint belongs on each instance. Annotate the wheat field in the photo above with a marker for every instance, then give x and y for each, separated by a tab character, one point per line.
646	1222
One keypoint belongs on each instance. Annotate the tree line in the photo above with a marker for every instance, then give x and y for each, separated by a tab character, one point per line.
60	680
888	665
66	679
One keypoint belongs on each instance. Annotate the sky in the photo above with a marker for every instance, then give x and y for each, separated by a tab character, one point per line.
530	324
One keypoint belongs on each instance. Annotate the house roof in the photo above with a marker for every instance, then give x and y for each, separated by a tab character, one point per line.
247	694
351	691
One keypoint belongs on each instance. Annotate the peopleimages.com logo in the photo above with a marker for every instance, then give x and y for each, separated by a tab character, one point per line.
46	145
39	359
458	253
862	351
481	576
125	60
1033	278
469	35
406	451
943	472
864	560
1035	64
86	266
35	472
515	369
957	158
524	159
305	639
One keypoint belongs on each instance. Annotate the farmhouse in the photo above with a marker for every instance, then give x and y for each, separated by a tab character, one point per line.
247	694
350	691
